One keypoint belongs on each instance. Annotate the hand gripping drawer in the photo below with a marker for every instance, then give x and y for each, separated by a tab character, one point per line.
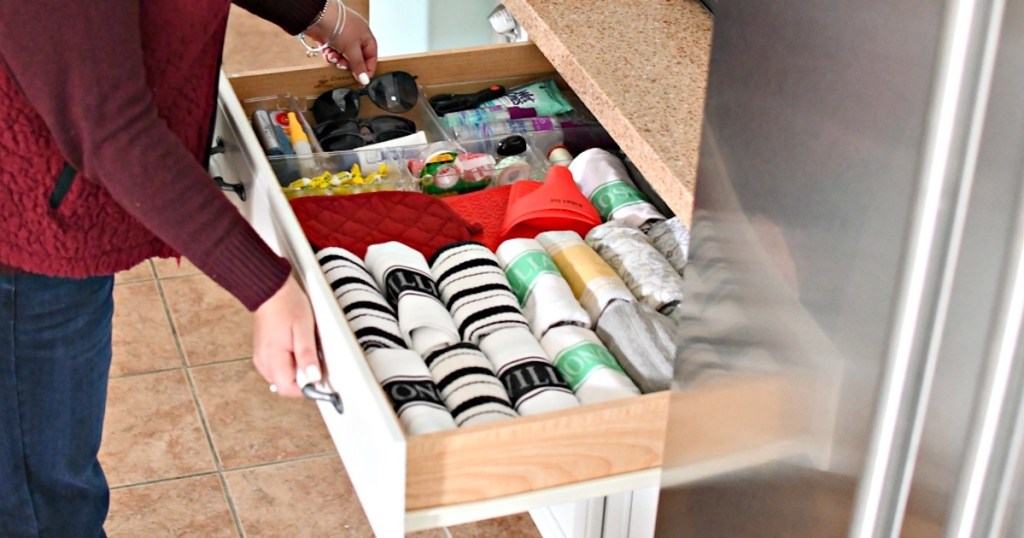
417	482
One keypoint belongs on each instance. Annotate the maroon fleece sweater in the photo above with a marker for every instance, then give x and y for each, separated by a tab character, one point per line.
88	77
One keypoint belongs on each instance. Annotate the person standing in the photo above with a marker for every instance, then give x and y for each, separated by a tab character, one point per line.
106	113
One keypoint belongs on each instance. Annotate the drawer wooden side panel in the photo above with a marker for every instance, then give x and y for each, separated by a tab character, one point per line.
532	453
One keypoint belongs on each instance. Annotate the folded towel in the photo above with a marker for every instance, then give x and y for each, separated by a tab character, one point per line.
604	180
672	240
404	276
592	372
642	340
369	315
468	385
475	290
531	380
644	270
593	282
545	296
412	392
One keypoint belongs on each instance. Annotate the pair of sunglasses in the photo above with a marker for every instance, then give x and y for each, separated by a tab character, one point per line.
346	134
393	92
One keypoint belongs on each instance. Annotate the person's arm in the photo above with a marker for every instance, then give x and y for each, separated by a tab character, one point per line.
80	65
354	42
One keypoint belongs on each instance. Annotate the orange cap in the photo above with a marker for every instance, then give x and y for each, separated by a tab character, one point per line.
295	132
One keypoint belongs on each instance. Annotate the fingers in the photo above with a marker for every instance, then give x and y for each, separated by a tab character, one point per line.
304	346
356	63
281	367
370	54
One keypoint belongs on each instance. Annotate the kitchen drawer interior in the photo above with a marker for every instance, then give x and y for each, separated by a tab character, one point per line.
619	438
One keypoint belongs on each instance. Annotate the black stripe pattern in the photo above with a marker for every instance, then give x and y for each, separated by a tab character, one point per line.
368	313
411	390
468	386
405	278
530	379
475	290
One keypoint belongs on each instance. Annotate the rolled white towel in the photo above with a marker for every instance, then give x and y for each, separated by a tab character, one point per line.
369	315
594	283
531	380
404	277
605	182
475	290
411	390
468	386
545	296
589	368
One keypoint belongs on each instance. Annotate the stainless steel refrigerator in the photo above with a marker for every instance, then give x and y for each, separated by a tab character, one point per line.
859	230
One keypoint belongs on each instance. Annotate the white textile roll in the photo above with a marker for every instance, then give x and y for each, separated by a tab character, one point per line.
605	182
594	283
542	291
672	240
369	315
589	368
531	380
404	276
468	386
408	385
475	290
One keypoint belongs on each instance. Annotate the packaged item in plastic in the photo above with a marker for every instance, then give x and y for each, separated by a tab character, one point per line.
544	96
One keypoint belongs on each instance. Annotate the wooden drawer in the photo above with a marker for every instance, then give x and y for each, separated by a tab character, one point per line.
473	473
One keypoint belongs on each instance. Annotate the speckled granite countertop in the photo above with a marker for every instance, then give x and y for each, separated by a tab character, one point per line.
641	67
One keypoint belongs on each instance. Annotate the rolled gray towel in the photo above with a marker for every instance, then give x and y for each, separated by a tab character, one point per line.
642	340
644	270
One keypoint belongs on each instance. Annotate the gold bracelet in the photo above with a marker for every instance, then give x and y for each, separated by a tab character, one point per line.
338	25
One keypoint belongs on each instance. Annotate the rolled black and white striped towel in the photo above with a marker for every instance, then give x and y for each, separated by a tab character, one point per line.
404	277
369	315
589	368
531	380
475	290
468	386
411	390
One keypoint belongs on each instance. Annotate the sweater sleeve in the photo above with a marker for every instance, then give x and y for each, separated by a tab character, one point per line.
293	16
80	65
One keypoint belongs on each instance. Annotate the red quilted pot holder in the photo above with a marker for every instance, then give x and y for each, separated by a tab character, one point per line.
354	222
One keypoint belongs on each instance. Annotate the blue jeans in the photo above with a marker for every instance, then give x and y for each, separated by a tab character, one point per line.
54	364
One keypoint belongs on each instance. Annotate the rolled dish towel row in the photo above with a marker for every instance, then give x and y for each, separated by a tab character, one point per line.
644	270
642	340
405	279
468	386
530	379
542	292
589	368
411	390
605	182
594	283
369	315
475	290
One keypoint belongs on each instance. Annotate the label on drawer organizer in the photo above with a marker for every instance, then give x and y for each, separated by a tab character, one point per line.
524	270
407	392
613	196
524	378
579	361
400	280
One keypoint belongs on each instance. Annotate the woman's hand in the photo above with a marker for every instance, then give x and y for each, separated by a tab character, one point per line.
284	340
354	48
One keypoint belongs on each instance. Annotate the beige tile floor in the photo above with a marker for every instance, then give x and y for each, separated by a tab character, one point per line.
195	444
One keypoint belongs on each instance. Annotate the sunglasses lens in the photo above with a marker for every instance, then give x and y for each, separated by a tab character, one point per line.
340	103
394	92
381	124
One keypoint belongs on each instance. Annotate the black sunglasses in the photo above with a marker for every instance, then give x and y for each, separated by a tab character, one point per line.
393	92
344	134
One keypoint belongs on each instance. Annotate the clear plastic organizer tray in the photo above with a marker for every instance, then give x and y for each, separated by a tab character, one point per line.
396	164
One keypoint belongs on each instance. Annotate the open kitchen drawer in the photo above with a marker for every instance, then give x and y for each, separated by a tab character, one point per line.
478	472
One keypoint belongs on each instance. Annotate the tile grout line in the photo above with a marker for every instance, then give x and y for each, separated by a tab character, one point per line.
202	416
296	459
162	480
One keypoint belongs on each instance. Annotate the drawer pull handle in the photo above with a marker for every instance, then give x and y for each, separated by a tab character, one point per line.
218	147
236	188
332	398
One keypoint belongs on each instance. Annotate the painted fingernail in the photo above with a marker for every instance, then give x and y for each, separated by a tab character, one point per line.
313	374
364	79
273	388
342	67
